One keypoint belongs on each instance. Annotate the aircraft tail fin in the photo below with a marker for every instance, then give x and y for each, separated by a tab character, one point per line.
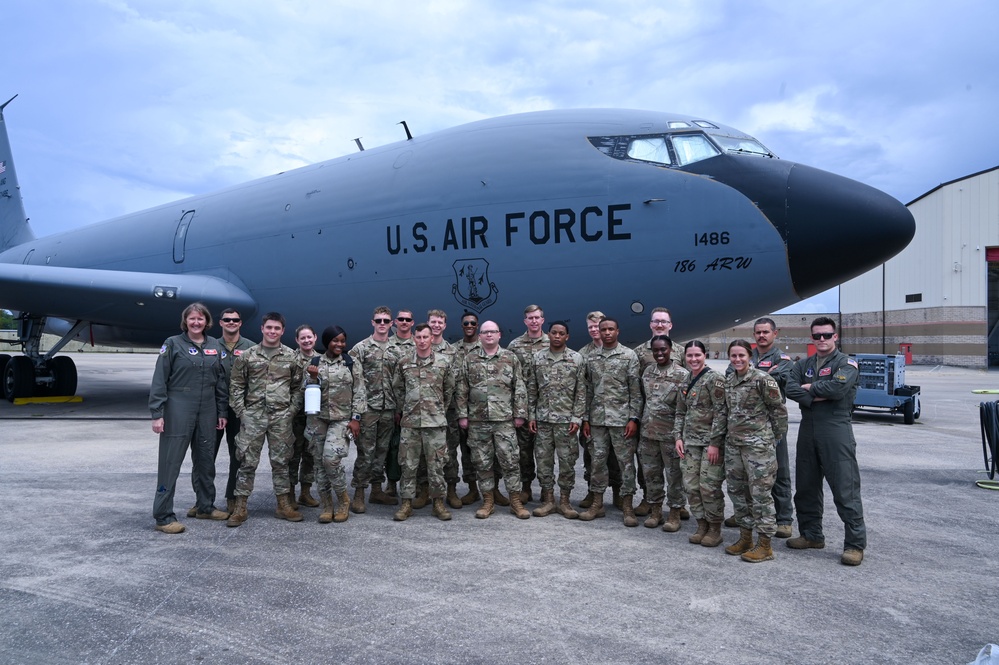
14	228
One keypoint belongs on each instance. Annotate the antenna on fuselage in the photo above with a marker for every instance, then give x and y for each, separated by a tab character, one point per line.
409	135
4	105
358	142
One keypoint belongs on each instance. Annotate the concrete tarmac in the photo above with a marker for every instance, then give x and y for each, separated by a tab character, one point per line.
84	578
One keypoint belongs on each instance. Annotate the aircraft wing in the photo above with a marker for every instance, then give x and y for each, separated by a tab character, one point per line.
113	297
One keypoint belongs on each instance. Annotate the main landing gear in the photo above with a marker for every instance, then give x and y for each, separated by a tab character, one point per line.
34	374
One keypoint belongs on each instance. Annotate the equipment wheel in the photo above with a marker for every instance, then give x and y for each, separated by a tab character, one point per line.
4	359
19	378
909	412
63	376
919	408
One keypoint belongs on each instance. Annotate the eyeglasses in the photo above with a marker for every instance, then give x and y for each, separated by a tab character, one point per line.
384	321
489	332
404	319
469	324
230	320
660	323
818	336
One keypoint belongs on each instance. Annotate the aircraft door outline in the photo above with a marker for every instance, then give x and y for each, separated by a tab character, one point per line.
180	237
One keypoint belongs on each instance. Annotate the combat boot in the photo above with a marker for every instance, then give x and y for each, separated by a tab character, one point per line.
525	494
761	552
230	505
616	497
472	496
587	501
783	531
500	499
452	496
517	506
672	524
713	538
291	499
380	497
730	522
357	504
405	510
326	512
697	538
743	545
643	508
488	500
629	511
852	557
802	543
547	506
285	511
305	496
440	511
391	489
596	508
684	513
238	514
341	513
565	508
422	497
655	517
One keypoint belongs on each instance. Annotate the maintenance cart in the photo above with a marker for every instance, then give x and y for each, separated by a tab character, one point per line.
881	385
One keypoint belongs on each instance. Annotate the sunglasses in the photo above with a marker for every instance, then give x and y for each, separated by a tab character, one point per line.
467	324
229	319
404	319
818	336
383	321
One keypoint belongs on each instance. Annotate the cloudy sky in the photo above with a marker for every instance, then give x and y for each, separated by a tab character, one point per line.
125	104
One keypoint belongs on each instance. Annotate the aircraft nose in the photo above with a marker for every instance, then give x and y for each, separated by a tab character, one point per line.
837	228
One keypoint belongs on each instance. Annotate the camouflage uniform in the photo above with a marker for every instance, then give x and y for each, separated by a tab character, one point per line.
462	349
400	347
423	388
377	361
556	389
491	393
778	365
656	446
757	417
525	347
343	398
826	447
613	397
645	359
586	443
302	465
451	352
265	391
229	356
701	417
188	392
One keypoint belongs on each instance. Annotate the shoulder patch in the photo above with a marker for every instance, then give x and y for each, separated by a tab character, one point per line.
784	356
163	349
851	361
193	351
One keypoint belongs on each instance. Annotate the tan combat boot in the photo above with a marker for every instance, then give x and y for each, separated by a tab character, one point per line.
452	496
380	497
238	514
526	495
596	508
405	510
730	522
698	536
783	531
440	511
341	512
565	508
422	497
761	552
684	513
285	511
305	496
587	501
629	511
488	501
547	506
655	517
291	499
357	504
743	545
473	494
392	489
326	512
499	498
643	508
713	538
517	506
672	524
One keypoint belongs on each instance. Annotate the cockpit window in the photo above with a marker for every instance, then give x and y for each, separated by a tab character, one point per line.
692	148
650	150
741	145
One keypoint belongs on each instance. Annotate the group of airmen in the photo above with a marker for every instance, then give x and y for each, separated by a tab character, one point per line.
655	417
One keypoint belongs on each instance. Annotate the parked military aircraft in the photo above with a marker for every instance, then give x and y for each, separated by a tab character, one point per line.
575	210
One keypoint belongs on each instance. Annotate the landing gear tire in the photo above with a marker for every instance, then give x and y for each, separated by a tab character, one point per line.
19	378
63	376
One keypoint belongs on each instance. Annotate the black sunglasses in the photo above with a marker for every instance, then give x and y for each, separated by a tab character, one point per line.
383	321
818	336
229	319
404	318
469	323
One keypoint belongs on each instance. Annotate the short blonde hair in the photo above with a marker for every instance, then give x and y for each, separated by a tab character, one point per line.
595	316
195	307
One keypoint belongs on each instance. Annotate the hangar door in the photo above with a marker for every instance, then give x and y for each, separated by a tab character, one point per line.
992	256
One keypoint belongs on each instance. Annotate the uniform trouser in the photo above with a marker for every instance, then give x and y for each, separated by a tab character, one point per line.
372	447
230	432
826	449
613	468
657	458
607	442
782	487
750	470
703	482
422	443
275	427
330	443
525	444
392	469
195	429
495	439
553	439
457	439
302	465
